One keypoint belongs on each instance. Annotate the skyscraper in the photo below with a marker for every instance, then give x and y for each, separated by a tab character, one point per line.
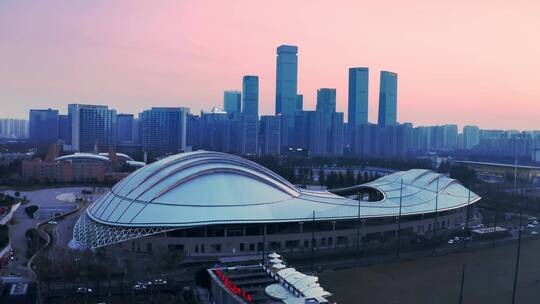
471	136
91	126
286	79
249	134
164	129
250	96
335	137
388	99
232	102
270	135
326	100
43	126
358	96
125	128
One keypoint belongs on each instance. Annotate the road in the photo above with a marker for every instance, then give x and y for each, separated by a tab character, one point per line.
50	202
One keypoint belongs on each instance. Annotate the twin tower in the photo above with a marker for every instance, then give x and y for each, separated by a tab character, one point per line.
288	101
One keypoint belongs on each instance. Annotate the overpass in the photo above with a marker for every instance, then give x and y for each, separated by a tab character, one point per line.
526	173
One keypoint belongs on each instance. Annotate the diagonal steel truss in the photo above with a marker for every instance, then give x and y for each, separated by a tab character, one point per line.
91	234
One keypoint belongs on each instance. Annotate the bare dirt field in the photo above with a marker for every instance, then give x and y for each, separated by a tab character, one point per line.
488	278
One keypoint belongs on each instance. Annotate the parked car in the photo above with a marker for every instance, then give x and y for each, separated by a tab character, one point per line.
52	223
159	282
84	290
139	287
534	232
451	241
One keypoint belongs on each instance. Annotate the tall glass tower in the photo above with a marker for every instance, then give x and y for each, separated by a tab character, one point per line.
326	100
388	99
250	96
43	126
164	129
358	96
232	102
286	79
91	126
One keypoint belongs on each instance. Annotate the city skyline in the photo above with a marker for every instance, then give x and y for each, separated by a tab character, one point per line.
456	78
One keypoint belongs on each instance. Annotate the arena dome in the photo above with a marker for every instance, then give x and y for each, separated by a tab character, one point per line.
208	188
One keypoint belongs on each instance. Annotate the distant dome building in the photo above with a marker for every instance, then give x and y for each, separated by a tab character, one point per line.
215	204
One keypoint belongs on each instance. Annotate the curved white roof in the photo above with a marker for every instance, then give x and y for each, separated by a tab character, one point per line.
83	156
202	188
121	156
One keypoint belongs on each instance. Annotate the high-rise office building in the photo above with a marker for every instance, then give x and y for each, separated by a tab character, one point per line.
64	129
125	128
286	79
270	135
326	100
335	136
250	96
388	99
43	126
13	128
311	132
164	129
299	102
358	96
218	131
471	136
249	134
232	102
91	126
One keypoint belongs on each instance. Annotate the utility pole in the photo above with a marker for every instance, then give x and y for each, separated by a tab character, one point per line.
462	285
516	271
436	216
358	231
264	245
399	219
313	244
467	233
495	222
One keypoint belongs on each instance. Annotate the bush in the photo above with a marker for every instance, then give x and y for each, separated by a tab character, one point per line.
30	210
4	236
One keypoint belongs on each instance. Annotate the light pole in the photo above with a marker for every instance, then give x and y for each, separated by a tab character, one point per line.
398	219
436	216
516	271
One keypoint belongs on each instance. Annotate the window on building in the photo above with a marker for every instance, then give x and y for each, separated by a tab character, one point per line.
306	244
292	244
342	240
251	247
274	245
242	247
235	232
175	247
330	242
215	248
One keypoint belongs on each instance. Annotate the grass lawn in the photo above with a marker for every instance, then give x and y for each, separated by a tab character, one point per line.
488	278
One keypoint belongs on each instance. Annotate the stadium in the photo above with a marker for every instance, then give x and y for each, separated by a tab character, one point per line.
211	204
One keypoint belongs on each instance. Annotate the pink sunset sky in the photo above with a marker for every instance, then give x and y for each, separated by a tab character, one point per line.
464	62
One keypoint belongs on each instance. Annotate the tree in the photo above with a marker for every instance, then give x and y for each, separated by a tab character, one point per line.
30	210
322	177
